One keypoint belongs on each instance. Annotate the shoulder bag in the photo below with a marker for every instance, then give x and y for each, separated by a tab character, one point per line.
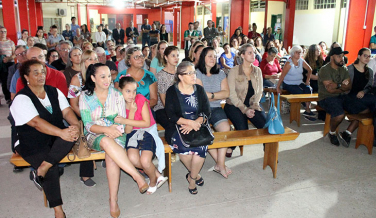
80	147
273	120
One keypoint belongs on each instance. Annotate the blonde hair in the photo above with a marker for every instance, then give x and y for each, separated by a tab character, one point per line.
193	47
85	56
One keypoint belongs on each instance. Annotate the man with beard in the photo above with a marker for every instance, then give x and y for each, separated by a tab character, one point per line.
334	83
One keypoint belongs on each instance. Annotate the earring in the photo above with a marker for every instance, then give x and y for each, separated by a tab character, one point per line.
28	82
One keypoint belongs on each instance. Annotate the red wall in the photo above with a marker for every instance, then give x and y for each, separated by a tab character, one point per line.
187	15
239	15
356	36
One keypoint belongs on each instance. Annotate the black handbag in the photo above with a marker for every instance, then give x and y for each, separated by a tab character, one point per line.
201	137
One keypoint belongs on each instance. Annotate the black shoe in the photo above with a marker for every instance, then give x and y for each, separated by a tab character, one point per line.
344	139
38	180
333	139
17	169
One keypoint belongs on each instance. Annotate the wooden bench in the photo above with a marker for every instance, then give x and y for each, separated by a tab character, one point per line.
295	101
274	91
365	134
222	140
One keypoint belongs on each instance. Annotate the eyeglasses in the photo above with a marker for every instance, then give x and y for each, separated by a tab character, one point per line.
189	73
21	54
39	57
366	56
55	56
3	31
64	49
138	57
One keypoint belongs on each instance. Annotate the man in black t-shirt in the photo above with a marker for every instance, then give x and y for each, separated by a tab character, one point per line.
63	49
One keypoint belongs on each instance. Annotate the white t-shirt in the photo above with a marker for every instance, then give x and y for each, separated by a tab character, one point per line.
23	109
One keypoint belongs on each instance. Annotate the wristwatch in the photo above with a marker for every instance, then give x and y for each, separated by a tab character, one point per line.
339	85
212	97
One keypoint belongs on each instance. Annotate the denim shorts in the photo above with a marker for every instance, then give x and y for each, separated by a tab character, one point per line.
336	106
147	144
218	116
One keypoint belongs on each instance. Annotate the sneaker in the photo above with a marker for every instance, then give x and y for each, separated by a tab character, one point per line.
310	118
38	180
88	182
17	169
309	114
344	139
333	139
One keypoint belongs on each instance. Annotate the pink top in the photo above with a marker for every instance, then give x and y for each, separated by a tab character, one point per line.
140	100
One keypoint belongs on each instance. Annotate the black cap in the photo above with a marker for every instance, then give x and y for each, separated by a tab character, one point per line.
338	51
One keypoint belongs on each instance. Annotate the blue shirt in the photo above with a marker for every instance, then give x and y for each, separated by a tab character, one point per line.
145	27
373	40
73	28
143	84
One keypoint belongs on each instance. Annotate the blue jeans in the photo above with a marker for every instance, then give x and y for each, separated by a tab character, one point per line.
145	40
297	89
240	120
268	83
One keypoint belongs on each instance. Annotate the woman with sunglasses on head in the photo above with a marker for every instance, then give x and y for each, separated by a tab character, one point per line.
52	55
216	87
147	83
291	78
195	104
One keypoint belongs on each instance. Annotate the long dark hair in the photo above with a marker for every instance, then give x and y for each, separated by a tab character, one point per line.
366	69
311	56
201	62
91	71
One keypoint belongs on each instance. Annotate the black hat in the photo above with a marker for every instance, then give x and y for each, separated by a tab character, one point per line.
338	51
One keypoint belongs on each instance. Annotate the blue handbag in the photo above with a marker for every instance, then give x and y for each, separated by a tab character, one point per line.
274	122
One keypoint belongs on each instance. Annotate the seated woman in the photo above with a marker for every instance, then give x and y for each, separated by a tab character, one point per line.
245	83
147	83
43	139
197	53
219	50
165	79
260	50
227	58
77	82
191	50
195	106
269	44
292	78
234	45
271	70
143	142
99	105
156	64
315	61
216	87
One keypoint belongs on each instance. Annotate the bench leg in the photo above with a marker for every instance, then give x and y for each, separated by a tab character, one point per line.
295	112
241	150
271	157
327	125
45	199
167	170
365	137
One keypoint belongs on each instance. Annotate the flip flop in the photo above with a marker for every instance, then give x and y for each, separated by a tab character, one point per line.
161	180
219	172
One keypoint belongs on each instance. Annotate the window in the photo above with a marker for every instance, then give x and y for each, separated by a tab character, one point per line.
257	5
199	11
207	10
301	5
344	3
324	4
226	8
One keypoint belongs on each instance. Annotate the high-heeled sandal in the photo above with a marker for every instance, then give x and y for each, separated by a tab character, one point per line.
144	188
193	191
115	214
199	182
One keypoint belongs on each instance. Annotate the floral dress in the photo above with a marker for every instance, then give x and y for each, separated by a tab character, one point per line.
94	113
189	108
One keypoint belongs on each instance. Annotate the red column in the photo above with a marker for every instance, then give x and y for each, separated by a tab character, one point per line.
24	18
356	36
175	27
162	16
87	18
214	13
38	6
32	17
289	24
266	15
239	15
79	14
100	18
9	19
187	15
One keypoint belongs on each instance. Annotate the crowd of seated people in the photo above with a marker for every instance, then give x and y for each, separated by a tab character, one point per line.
121	92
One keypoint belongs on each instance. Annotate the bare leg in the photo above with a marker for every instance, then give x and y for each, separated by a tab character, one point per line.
113	177
186	159
119	156
134	157
219	155
196	165
355	123
43	168
308	108
59	213
335	121
148	166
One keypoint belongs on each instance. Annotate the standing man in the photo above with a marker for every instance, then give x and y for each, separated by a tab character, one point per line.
268	36
74	26
54	39
145	29
334	82
132	32
189	34
109	32
198	29
7	49
210	32
118	35
278	35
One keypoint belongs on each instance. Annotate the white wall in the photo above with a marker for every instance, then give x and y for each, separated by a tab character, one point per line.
49	11
258	18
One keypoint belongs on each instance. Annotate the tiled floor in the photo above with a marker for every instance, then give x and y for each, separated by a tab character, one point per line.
314	179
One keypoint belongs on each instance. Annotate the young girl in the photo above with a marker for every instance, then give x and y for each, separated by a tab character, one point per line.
143	142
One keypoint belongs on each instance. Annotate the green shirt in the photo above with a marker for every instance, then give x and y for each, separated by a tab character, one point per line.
327	73
186	33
